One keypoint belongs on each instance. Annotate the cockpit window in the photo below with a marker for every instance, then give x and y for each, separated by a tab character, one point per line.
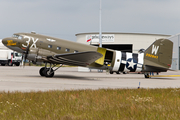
15	36
20	37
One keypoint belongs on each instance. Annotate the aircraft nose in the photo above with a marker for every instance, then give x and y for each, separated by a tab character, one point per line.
9	42
4	41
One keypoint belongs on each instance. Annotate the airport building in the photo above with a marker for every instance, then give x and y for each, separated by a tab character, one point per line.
176	51
128	42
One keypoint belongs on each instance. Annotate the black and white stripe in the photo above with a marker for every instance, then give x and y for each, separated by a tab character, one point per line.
128	62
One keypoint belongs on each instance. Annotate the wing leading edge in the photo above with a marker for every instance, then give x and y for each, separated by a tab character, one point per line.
75	59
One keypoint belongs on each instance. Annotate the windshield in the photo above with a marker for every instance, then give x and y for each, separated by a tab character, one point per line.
17	36
18	54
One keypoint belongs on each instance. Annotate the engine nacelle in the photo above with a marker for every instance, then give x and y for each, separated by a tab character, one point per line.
127	62
31	57
34	56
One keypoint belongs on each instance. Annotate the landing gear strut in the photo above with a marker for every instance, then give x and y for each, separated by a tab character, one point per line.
48	72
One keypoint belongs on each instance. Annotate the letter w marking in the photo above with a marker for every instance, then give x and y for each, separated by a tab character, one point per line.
155	49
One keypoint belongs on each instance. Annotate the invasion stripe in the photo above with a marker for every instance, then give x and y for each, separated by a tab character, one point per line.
135	57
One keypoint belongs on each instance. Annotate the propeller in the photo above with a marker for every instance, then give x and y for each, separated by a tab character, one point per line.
26	54
22	59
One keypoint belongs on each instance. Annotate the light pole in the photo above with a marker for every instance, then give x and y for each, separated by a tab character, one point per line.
100	32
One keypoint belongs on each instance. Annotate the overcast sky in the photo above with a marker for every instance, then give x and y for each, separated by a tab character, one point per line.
65	18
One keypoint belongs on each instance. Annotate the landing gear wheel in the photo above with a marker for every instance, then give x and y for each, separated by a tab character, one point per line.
111	72
146	75
41	71
48	72
117	72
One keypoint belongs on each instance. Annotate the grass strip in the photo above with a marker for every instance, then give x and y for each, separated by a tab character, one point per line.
106	104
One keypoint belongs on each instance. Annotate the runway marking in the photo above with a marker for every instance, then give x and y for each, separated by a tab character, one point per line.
165	76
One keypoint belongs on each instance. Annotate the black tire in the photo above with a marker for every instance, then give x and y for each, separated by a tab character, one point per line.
9	63
117	72
17	64
41	71
146	75
111	72
2	64
46	72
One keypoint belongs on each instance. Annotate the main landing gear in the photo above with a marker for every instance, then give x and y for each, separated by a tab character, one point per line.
48	71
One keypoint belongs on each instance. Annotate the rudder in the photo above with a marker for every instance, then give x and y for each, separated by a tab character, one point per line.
158	56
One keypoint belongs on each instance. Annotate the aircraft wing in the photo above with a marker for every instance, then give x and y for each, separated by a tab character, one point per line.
75	59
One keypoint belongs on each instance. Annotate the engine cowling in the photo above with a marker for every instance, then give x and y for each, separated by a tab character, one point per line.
127	62
34	56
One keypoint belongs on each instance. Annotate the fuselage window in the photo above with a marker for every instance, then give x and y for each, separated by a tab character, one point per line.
75	51
58	48
67	50
49	46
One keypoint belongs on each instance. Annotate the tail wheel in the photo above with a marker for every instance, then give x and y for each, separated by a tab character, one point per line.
146	75
48	72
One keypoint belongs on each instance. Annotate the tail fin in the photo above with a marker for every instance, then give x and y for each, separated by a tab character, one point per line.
158	57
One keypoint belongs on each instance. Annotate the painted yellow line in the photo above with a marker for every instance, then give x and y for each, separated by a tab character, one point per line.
165	76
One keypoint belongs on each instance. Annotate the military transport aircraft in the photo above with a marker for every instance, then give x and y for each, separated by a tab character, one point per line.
54	51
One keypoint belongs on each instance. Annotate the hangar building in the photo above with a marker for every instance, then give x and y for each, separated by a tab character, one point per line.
176	51
128	42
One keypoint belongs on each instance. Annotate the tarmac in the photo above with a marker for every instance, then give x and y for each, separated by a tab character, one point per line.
68	78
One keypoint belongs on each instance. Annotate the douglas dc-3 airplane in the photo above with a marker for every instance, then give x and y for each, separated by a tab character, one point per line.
54	51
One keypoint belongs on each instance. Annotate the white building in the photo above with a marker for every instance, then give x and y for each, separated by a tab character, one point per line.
176	51
129	42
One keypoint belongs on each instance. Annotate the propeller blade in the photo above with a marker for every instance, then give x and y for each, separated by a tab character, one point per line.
22	58
26	54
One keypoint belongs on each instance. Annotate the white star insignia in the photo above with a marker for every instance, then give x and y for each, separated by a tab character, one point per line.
131	64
